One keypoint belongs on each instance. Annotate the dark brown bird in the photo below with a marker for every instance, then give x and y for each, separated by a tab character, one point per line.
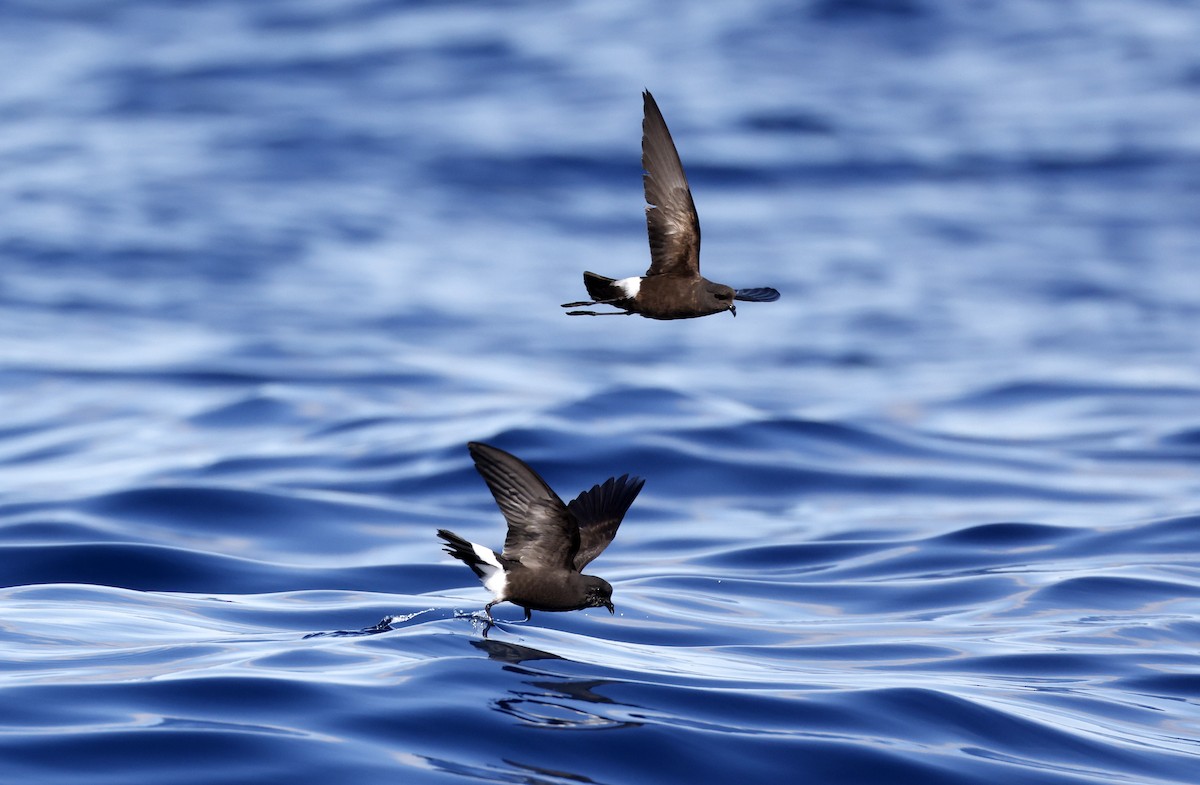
672	288
548	543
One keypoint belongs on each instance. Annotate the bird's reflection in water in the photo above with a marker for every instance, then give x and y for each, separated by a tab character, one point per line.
554	702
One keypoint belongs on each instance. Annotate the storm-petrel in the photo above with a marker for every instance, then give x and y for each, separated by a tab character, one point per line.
548	542
672	288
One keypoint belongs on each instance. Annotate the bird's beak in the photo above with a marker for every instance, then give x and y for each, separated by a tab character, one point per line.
733	310
611	610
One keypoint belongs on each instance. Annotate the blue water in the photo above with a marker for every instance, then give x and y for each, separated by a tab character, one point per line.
266	267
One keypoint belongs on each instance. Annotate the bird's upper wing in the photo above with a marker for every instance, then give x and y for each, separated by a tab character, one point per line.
541	533
671	218
599	513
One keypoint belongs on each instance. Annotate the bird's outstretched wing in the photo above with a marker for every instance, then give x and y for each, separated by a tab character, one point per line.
759	294
541	533
599	512
671	219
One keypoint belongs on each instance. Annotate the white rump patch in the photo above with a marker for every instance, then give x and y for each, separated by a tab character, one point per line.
629	285
494	579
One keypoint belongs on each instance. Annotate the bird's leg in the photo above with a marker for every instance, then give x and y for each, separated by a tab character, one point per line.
599	313
528	614
490	621
613	301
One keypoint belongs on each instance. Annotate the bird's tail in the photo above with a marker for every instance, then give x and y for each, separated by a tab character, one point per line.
483	561
601	289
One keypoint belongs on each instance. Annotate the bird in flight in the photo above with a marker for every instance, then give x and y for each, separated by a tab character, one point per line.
549	542
672	288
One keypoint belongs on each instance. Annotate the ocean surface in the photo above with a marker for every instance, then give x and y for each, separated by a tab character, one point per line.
266	267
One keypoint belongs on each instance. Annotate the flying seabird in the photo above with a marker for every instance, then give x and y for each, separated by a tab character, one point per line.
548	543
672	288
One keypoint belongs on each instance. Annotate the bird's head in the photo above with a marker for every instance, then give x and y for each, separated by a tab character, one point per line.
721	297
598	594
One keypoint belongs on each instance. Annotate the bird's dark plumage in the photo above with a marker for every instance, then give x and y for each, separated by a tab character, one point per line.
671	220
599	512
672	287
540	533
548	542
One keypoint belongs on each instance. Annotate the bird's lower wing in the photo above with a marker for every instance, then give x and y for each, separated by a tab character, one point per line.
759	294
599	512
